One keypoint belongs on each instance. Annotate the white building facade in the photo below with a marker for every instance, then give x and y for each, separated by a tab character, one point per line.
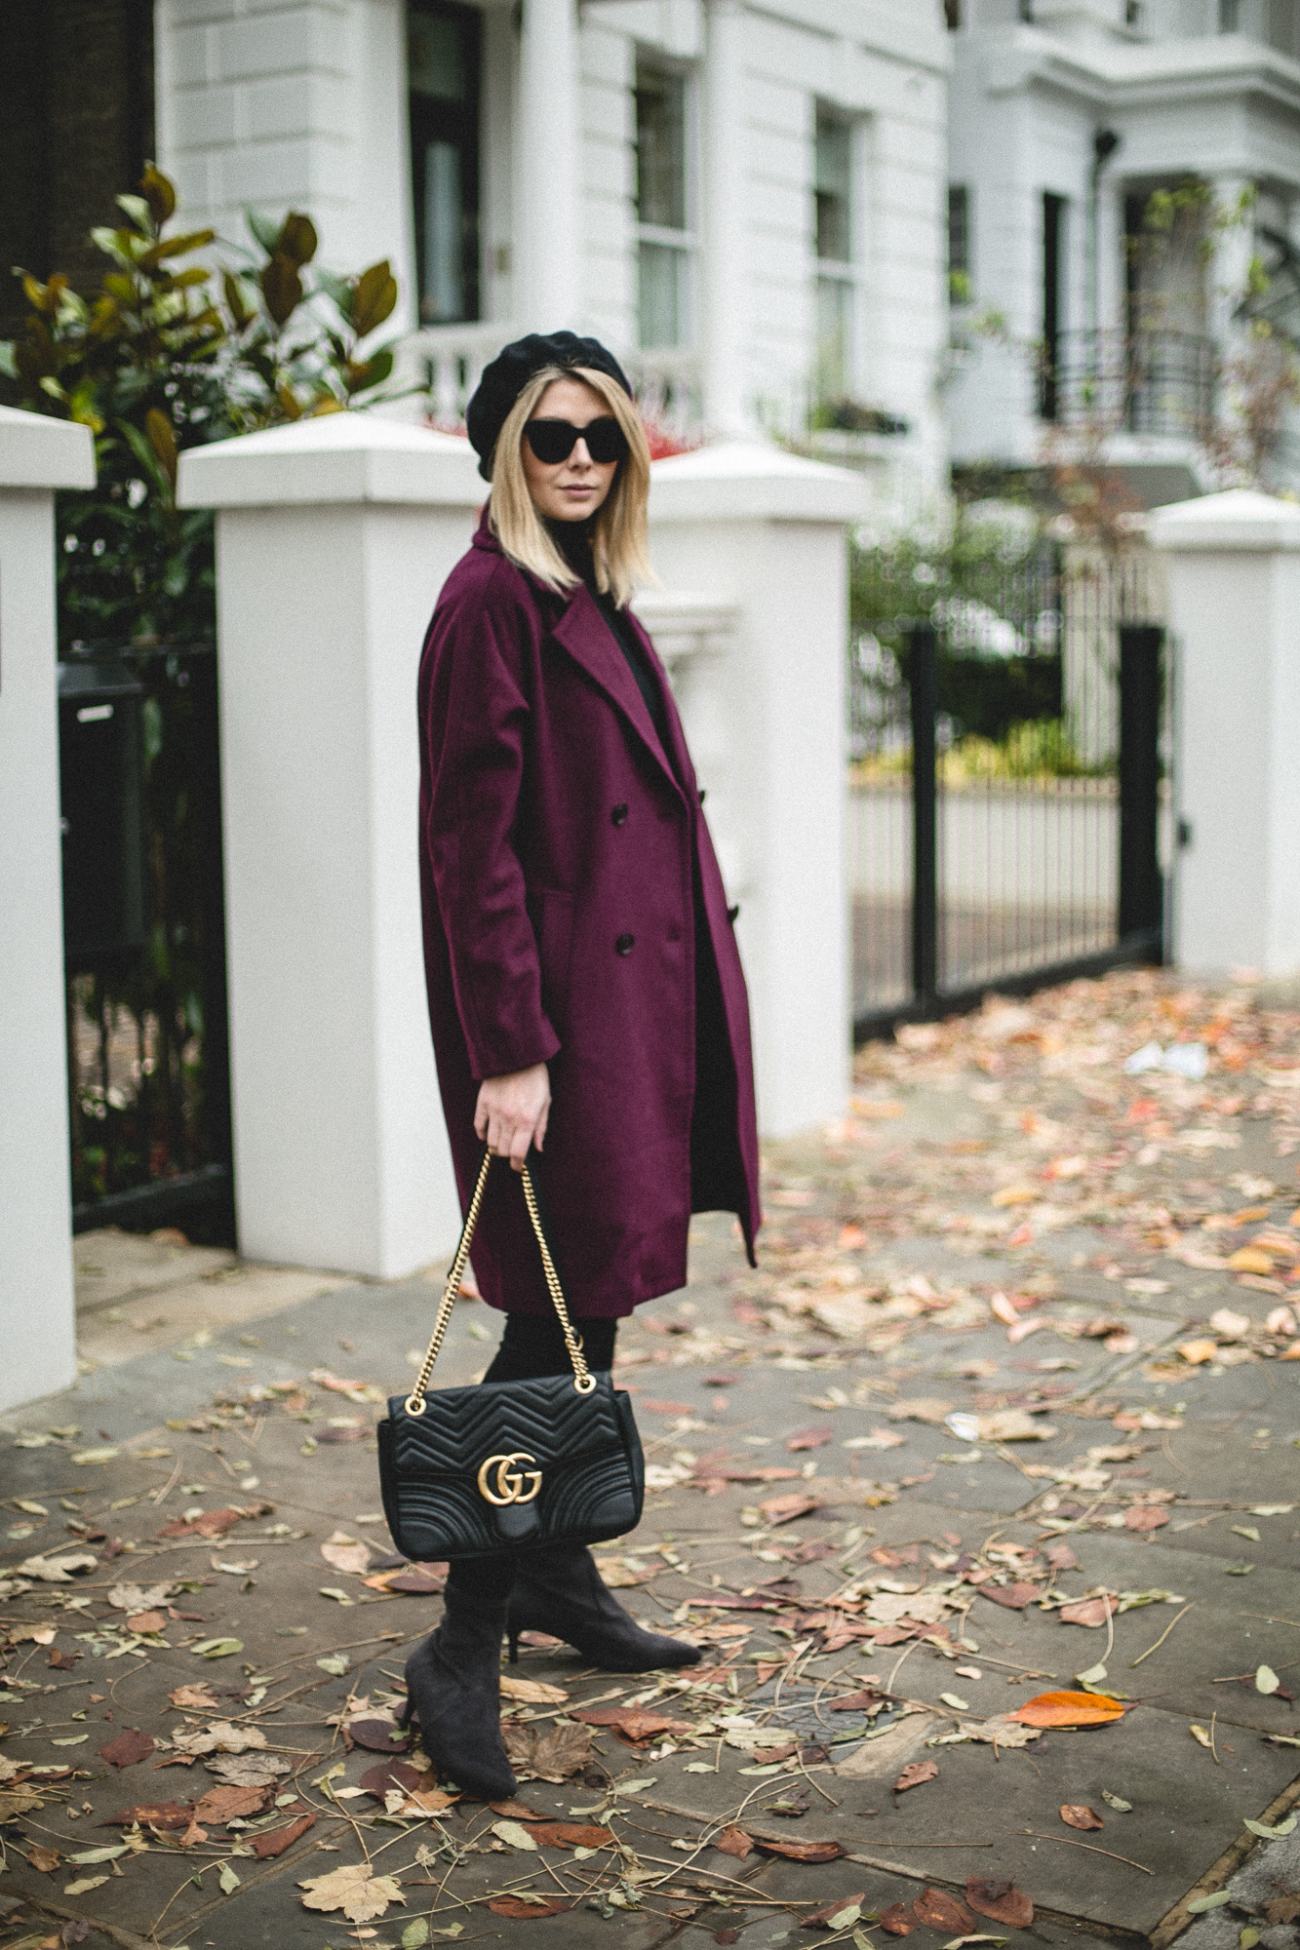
1065	117
745	202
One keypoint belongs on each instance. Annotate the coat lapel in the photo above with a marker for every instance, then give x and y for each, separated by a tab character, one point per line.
582	631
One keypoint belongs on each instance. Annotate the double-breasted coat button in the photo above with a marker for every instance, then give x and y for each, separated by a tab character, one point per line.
732	912
624	943
619	813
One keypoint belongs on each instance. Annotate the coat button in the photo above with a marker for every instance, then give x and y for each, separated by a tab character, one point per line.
703	790
732	912
624	943
619	813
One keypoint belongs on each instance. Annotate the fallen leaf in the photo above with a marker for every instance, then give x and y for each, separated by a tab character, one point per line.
129	1748
200	1697
222	1737
799	1851
1014	1596
1145	1516
941	1911
153	1814
784	1509
1087	1611
553	1752
916	1772
999	1900
274	1841
571	1834
354	1889
345	1553
839	1915
1078	1815
1067	1709
229	1803
634	1723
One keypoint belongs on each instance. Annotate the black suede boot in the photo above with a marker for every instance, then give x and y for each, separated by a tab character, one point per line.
559	1589
453	1681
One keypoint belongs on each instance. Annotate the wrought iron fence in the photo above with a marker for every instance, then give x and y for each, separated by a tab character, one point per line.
1143	382
144	934
1009	799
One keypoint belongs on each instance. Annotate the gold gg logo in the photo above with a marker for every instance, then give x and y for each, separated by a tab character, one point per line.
499	1483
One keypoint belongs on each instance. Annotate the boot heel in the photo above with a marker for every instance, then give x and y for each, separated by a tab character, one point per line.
512	1638
408	1708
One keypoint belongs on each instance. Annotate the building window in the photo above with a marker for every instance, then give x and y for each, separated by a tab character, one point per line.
443	64
1027	10
665	238
952	14
1133	13
835	227
1053	301
1229	16
959	241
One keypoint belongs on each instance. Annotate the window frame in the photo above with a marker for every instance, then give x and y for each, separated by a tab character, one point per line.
429	120
847	274
685	241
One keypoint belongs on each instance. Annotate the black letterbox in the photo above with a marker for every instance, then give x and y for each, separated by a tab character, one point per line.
102	801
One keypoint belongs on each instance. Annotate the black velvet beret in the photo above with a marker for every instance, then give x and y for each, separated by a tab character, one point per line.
504	378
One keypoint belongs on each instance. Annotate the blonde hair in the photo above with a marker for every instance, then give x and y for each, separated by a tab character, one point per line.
619	552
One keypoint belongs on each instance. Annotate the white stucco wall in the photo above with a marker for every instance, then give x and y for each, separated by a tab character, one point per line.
303	105
1024	104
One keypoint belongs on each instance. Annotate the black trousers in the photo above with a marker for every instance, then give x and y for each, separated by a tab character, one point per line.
531	1344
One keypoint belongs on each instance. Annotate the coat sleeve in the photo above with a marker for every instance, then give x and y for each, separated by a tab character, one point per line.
475	724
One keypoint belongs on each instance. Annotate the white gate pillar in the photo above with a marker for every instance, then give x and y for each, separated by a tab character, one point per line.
334	537
750	525
37	1312
1234	599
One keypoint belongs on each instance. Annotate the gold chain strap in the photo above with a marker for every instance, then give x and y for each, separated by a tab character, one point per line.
583	1379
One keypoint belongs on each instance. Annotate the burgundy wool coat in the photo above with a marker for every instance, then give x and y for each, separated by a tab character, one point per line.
556	845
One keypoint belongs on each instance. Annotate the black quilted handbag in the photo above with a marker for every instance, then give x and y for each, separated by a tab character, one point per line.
464	1472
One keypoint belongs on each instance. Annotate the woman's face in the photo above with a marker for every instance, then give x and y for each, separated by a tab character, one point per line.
574	488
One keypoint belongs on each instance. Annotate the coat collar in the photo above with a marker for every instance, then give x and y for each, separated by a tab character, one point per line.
576	623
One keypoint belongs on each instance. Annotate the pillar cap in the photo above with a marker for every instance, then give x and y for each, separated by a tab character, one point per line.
1237	519
39	451
754	480
351	456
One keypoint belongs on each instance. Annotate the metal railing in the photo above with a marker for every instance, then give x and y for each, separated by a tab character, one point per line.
1144	382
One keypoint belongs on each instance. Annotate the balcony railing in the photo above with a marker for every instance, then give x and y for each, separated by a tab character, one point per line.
1145	382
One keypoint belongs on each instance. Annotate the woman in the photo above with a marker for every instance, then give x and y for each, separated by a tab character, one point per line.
587	1003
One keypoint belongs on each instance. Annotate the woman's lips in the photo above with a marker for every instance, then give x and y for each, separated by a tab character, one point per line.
579	490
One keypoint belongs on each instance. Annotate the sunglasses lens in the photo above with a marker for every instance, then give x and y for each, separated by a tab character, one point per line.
554	440
551	440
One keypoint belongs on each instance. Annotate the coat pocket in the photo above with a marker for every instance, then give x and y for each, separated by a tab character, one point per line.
555	951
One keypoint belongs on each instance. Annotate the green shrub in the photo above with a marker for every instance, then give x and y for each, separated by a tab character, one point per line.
163	355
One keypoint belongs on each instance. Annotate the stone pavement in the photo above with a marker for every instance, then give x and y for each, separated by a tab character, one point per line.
1009	1408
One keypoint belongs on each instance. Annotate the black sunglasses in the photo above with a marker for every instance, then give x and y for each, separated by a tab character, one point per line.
554	440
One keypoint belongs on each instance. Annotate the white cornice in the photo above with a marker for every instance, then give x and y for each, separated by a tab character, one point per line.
1140	76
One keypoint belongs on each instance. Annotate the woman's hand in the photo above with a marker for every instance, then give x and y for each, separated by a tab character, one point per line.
512	1110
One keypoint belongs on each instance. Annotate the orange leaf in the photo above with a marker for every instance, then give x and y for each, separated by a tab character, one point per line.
1076	1814
999	1900
800	1851
1069	1710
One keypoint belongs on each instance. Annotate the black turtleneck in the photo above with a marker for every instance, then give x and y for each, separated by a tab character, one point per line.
573	539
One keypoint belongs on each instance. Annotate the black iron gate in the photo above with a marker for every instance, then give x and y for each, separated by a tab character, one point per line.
1009	800
144	939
